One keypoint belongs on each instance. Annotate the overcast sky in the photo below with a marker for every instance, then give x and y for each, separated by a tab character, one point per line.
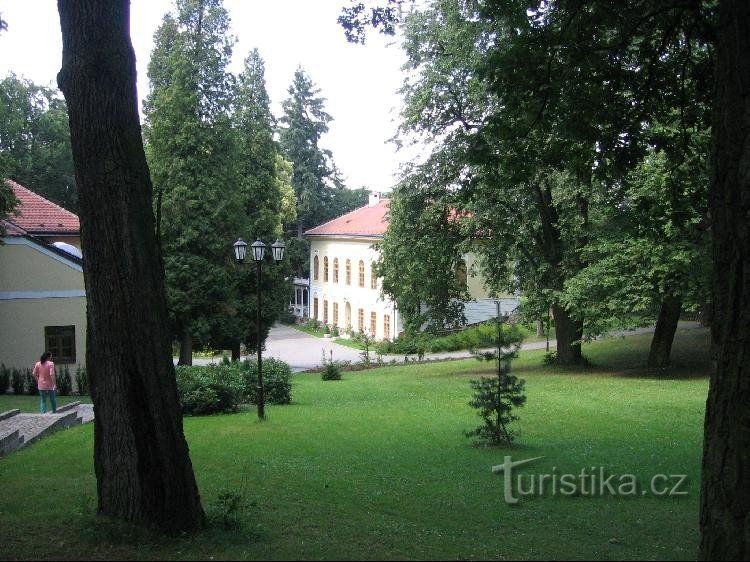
358	82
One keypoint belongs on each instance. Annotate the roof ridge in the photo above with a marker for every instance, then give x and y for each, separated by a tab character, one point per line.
369	218
339	217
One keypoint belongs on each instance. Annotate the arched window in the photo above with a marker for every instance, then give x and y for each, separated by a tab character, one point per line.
325	269
373	324
361	273
335	313
316	267
361	320
348	316
348	272
325	309
373	278
335	270
386	326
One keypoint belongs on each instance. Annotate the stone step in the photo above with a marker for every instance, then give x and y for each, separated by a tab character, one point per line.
68	407
9	414
10	440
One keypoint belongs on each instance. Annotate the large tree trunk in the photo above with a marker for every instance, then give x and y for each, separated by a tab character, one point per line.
186	348
666	326
141	459
725	484
568	333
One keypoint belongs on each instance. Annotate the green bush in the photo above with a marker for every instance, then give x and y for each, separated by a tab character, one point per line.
4	378
82	380
29	382
219	388
335	331
277	388
210	389
64	382
331	371
17	381
480	335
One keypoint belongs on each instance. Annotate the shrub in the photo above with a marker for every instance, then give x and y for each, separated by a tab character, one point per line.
331	371
210	389
313	324
366	340
82	380
4	378
326	329
335	331
496	397
64	382
29	382
277	388
17	381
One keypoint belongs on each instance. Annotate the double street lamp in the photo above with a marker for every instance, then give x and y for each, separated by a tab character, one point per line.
258	249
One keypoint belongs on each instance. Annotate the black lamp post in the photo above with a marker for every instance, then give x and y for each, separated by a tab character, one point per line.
259	250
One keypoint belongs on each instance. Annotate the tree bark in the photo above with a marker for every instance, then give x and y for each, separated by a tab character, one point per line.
725	483
568	333
236	351
666	326
186	348
143	469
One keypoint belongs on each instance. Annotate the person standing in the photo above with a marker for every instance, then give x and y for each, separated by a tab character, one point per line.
44	373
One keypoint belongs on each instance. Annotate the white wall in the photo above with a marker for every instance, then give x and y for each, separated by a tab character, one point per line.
365	298
38	288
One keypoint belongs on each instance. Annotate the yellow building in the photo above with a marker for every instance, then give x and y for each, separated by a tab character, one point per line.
344	291
42	294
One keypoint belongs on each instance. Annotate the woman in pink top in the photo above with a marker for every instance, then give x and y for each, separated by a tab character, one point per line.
44	373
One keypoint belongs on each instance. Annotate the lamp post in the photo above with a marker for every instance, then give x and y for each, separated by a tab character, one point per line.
258	249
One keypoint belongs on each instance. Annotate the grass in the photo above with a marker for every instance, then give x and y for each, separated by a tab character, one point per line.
376	466
319	333
30	404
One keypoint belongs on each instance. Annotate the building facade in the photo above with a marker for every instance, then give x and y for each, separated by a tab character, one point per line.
42	294
344	290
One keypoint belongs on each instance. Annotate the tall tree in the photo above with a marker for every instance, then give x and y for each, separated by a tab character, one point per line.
192	153
141	459
725	482
264	181
304	122
660	224
35	140
535	115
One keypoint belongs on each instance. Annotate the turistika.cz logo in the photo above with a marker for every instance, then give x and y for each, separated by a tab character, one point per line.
589	482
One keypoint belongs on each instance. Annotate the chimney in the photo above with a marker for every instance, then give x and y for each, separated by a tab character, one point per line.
374	199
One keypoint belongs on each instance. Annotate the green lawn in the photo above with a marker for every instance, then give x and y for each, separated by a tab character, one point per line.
376	466
30	404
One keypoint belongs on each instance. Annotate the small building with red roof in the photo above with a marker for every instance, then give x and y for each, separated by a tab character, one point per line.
42	293
344	290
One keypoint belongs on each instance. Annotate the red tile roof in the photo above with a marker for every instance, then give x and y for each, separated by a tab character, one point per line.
39	216
365	221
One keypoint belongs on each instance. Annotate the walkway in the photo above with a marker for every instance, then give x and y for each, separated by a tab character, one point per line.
18	430
304	352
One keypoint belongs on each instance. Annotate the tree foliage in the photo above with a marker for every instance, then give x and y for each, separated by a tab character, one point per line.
496	398
35	140
535	116
192	156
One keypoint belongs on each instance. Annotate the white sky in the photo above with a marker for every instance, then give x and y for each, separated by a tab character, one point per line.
358	82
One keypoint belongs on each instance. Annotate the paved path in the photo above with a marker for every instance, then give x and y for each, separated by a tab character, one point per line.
303	351
19	430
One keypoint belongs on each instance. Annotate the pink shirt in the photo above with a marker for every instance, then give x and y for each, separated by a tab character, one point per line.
45	375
